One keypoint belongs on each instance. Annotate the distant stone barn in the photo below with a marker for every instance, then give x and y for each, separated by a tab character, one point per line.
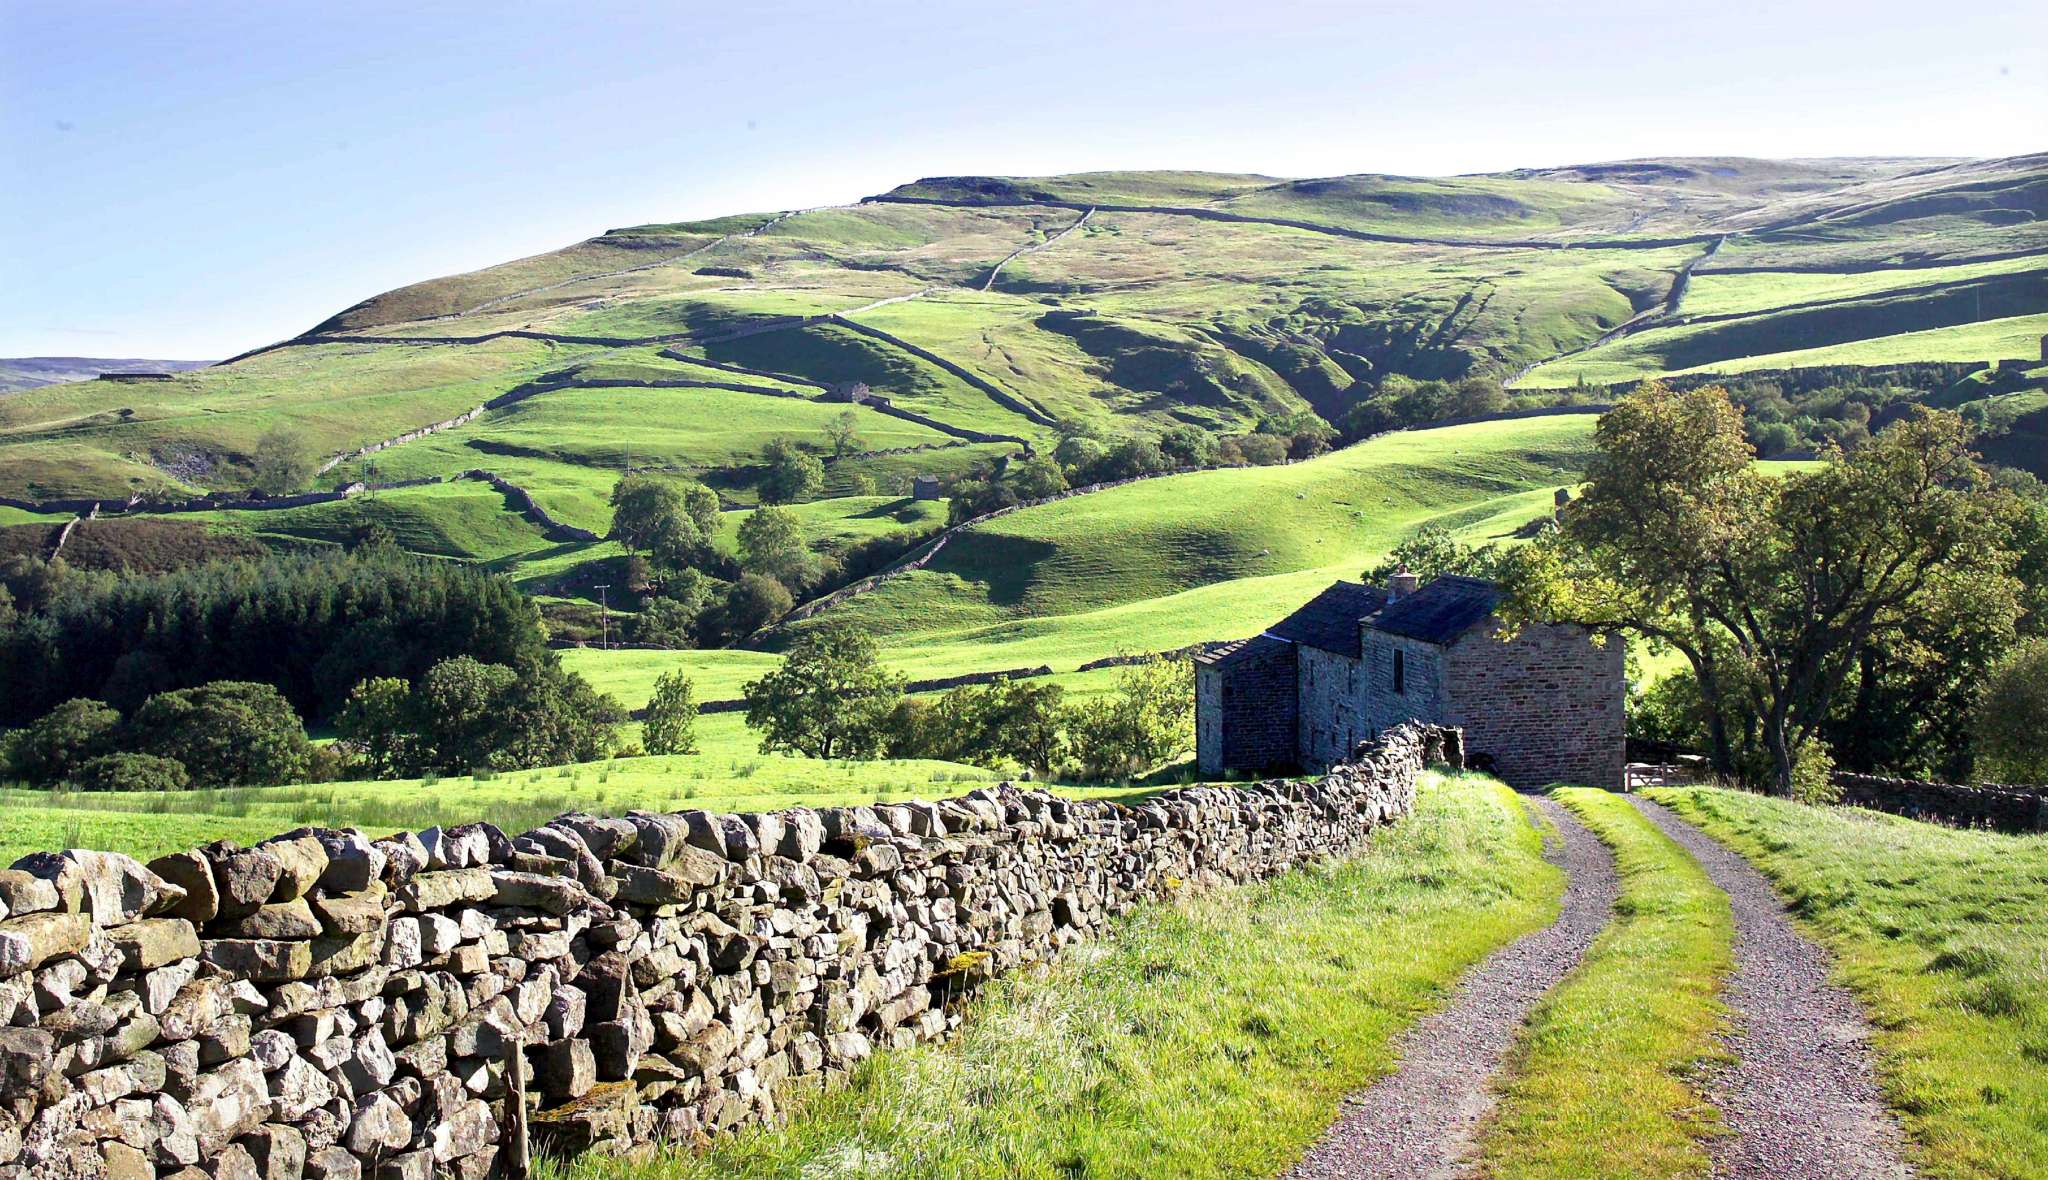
1544	707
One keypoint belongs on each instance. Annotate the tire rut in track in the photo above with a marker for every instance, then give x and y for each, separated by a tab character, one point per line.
1802	1096
1418	1122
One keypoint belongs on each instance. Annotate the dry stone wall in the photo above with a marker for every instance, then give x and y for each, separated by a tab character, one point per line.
334	1006
2004	808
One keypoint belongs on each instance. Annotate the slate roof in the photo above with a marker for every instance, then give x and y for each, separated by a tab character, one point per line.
1329	621
1243	649
1439	612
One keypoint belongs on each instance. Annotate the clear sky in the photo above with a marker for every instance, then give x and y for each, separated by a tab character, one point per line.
185	178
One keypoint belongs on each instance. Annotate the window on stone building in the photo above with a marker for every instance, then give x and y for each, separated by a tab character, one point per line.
1400	672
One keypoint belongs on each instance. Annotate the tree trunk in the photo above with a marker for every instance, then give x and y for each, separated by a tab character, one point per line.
1717	719
1717	738
1781	756
1861	746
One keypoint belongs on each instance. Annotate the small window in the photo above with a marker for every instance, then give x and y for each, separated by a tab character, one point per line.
1400	672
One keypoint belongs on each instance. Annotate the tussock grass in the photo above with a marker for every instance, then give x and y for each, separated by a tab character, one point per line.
1597	1085
1943	934
1208	1039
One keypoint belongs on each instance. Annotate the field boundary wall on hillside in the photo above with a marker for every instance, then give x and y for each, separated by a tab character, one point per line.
1990	805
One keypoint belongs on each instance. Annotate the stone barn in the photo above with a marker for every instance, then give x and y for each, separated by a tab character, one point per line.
1544	707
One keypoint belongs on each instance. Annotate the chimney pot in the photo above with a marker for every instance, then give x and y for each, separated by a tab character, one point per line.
1401	585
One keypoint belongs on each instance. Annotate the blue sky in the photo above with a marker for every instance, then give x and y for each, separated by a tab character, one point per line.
188	179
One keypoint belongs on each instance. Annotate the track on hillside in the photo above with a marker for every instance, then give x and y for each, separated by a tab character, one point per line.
1419	1122
1802	1095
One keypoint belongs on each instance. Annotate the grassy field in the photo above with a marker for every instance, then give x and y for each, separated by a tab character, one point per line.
1599	1083
1035	586
1163	563
735	778
1723	294
1210	1039
1941	934
1139	319
1552	203
1641	355
334	396
466	519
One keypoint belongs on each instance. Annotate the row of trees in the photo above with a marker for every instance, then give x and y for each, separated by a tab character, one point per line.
1087	455
1782	413
223	734
463	715
460	716
1398	401
314	626
832	698
1851	612
205	676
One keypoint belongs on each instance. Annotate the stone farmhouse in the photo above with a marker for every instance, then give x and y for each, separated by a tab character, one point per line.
1356	660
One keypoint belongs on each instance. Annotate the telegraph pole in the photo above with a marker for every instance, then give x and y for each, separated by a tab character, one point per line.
604	609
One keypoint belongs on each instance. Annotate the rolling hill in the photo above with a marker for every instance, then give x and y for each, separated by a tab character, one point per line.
32	372
485	416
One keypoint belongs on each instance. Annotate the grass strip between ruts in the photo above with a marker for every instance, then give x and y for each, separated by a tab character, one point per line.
1599	1083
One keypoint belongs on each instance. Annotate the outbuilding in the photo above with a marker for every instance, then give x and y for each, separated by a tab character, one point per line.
1544	706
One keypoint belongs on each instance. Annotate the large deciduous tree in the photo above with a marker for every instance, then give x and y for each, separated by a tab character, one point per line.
230	733
1773	587
831	697
671	726
771	542
792	474
62	740
283	462
672	521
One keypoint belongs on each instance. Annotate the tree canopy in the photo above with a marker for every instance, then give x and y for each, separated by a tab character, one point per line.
671	725
830	698
228	733
313	626
463	715
2012	717
670	520
1772	587
772	544
793	474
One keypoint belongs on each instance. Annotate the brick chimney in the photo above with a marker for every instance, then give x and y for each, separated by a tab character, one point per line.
1401	585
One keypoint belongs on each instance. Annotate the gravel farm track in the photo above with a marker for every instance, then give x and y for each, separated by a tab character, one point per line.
1800	1099
1418	1122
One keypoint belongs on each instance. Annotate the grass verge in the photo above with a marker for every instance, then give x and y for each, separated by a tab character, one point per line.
1203	1040
1943	934
1597	1084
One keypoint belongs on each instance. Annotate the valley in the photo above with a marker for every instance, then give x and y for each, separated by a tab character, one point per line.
987	316
1039	431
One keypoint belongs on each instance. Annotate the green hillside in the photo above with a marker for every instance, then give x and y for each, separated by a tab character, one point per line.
994	314
1182	297
1167	562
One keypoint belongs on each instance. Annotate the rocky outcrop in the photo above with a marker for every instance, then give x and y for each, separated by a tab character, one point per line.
329	1005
